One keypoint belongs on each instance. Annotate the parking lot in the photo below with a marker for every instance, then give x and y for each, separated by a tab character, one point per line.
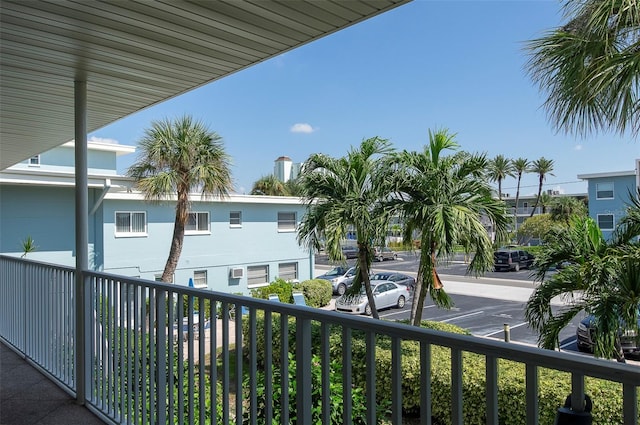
483	305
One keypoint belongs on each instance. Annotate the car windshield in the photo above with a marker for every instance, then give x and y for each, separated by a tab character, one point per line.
335	272
380	276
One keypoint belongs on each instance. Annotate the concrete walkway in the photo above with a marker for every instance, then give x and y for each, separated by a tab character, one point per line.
27	397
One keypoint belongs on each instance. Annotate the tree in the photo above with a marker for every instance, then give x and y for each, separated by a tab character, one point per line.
602	278
270	186
589	67
542	167
535	227
564	207
520	166
445	198
499	169
177	158
345	194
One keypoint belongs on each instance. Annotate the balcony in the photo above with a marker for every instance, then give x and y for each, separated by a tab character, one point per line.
129	359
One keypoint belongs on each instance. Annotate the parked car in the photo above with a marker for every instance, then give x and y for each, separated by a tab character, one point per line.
512	259
340	277
387	294
399	278
384	253
629	339
350	251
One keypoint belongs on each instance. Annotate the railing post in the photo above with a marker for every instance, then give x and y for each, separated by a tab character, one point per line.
303	371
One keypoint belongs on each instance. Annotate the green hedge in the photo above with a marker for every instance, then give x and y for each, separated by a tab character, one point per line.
554	386
317	292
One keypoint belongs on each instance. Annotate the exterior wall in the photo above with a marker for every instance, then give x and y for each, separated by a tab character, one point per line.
62	159
47	215
623	185
256	242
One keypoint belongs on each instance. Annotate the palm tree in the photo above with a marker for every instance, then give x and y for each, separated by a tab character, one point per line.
602	278
545	201
445	198
589	67
564	207
499	169
344	194
269	185
177	158
542	167
520	166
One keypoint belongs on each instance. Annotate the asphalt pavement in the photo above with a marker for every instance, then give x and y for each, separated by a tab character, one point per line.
487	306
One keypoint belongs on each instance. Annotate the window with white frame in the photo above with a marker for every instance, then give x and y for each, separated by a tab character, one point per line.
288	271
200	278
131	223
235	218
257	275
604	190
34	160
197	222
286	221
605	221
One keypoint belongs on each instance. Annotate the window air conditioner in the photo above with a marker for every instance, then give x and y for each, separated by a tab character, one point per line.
237	272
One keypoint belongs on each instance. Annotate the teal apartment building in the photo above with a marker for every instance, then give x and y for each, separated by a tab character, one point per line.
230	245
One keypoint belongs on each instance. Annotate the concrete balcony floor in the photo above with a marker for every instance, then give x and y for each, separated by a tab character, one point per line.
29	397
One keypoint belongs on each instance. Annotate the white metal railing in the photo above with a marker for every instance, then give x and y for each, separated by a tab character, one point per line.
147	361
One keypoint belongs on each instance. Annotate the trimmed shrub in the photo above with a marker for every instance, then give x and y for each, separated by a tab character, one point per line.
317	292
554	386
281	287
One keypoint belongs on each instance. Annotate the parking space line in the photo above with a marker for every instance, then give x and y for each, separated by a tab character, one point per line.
510	327
566	344
462	317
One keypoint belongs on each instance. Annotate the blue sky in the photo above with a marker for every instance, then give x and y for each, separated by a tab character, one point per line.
426	65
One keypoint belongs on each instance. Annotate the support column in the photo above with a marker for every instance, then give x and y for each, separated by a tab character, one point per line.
82	239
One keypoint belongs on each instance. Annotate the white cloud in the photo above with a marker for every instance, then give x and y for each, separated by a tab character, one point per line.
302	128
577	148
95	139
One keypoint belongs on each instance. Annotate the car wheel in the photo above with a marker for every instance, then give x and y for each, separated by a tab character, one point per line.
342	288
367	310
401	302
380	259
395	256
517	268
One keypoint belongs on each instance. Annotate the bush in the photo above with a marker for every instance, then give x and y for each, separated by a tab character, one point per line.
281	287
317	292
554	386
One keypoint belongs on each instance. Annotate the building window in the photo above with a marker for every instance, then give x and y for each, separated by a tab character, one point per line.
34	161
604	191
257	275
286	221
158	278
605	221
288	271
200	279
235	218
197	222
131	223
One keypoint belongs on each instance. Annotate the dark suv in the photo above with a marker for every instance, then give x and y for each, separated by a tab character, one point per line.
512	259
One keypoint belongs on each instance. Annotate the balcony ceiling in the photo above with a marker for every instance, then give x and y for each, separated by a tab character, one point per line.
134	54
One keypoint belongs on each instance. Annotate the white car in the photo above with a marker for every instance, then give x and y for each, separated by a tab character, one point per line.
386	294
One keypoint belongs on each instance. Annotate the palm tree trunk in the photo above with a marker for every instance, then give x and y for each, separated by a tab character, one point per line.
425	268
538	198
363	265
515	209
178	238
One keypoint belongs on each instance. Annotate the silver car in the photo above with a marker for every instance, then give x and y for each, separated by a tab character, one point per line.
386	293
